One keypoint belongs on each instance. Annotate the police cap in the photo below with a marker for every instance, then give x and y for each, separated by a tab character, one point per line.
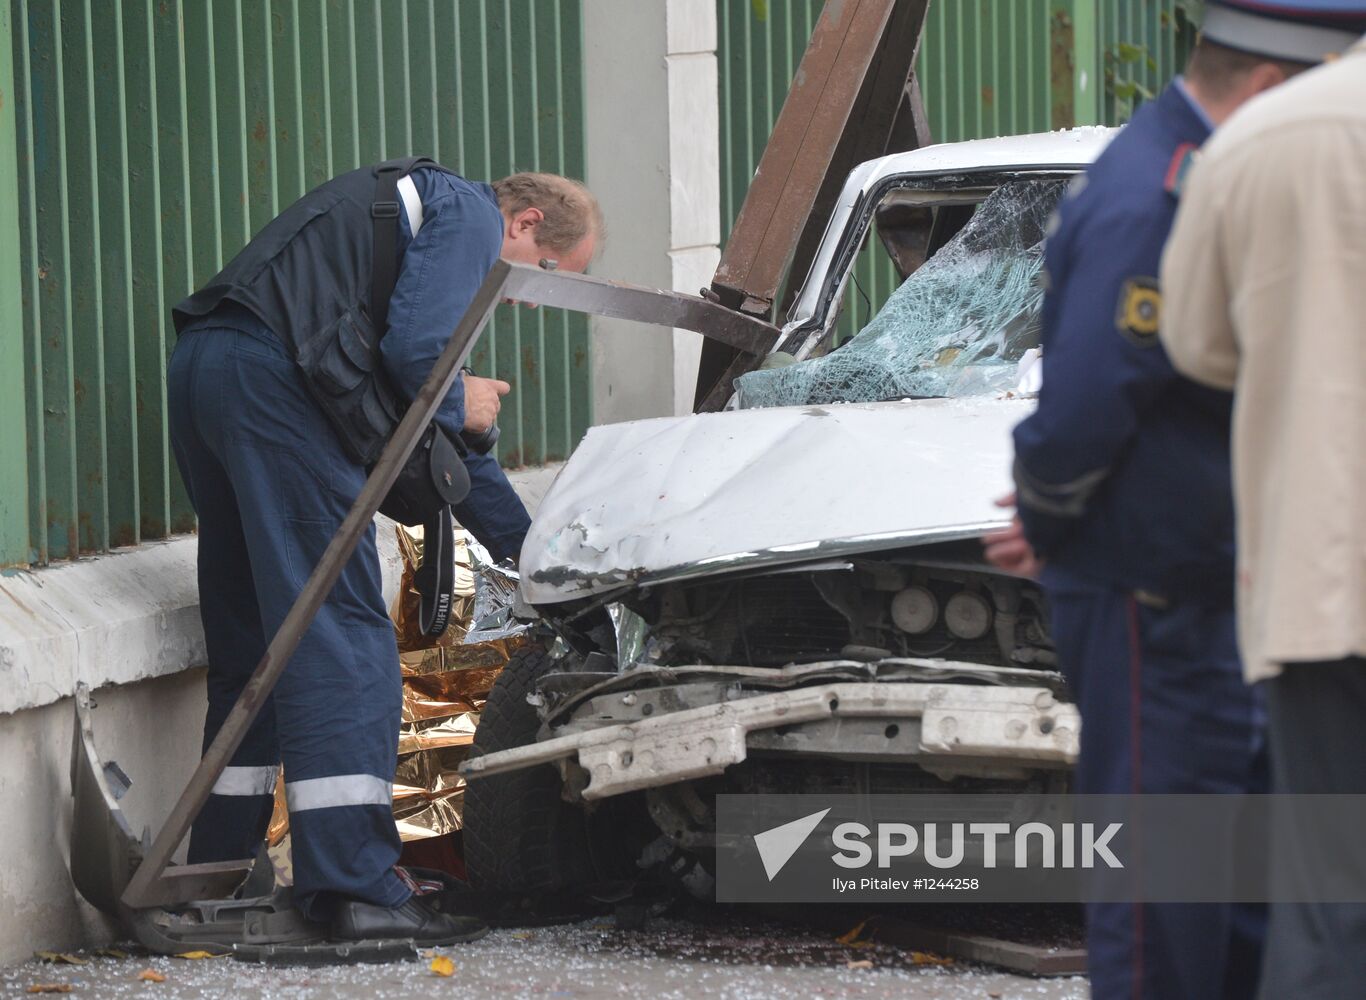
1306	31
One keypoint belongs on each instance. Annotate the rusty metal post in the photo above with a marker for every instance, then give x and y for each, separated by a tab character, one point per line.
853	99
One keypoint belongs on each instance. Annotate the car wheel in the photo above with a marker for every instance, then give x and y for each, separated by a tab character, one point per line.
519	834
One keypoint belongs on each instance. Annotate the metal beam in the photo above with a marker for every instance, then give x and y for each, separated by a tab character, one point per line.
658	306
852	99
800	152
922	929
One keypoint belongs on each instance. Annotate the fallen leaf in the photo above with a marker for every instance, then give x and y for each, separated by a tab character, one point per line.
522	936
60	958
994	996
442	966
850	936
151	976
50	988
197	956
111	953
925	958
863	963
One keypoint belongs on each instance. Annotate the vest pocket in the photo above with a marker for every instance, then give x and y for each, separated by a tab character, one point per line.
376	411
347	358
341	367
340	364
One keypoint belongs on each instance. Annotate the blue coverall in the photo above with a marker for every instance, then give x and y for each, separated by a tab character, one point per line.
1123	486
271	484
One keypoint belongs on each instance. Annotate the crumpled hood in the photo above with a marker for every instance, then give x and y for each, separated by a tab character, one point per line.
674	497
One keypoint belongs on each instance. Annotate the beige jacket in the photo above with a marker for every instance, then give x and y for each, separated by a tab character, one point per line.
1264	282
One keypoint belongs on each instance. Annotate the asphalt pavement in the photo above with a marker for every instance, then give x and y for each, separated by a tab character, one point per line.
716	955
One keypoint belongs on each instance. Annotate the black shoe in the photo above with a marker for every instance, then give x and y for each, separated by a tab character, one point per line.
415	919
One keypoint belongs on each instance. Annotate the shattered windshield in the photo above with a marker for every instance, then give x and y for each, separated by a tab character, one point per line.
958	326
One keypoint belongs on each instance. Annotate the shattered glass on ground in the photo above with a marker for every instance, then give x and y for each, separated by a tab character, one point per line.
958	326
727	956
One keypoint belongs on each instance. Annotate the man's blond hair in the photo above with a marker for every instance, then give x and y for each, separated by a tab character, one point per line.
571	212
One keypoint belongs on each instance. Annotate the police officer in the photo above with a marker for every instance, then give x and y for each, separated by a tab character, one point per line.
1124	497
269	459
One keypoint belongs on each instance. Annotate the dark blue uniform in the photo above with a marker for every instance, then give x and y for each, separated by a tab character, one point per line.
271	484
1123	485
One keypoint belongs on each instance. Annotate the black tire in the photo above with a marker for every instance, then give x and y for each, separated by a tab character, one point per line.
519	834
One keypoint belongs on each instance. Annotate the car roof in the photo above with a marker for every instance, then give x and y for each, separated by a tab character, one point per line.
1065	151
1073	148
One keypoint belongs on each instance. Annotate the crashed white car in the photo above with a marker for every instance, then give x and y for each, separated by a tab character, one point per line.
790	595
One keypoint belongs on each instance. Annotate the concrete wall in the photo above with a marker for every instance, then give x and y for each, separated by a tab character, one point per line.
152	729
653	132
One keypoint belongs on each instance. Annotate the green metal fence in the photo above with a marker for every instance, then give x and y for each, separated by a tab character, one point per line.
986	67
1141	45
152	138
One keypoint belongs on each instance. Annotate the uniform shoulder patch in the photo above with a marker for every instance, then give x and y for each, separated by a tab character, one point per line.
1139	313
1180	167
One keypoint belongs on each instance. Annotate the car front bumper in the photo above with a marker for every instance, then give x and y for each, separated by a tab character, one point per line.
1009	724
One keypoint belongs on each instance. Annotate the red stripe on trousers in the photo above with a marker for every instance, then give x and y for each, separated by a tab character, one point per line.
1136	768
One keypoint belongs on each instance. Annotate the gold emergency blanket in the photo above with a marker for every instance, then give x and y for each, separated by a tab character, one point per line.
445	683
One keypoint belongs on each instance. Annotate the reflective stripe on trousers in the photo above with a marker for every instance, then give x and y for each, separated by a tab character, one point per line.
338	790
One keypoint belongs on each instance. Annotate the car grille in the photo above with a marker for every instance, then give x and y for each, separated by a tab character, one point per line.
783	618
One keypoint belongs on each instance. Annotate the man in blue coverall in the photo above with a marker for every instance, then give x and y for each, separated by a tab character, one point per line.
271	483
1124	501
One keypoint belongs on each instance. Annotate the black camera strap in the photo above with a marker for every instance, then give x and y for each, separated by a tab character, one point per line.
435	578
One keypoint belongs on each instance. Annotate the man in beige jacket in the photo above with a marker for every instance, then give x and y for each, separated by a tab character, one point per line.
1265	294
